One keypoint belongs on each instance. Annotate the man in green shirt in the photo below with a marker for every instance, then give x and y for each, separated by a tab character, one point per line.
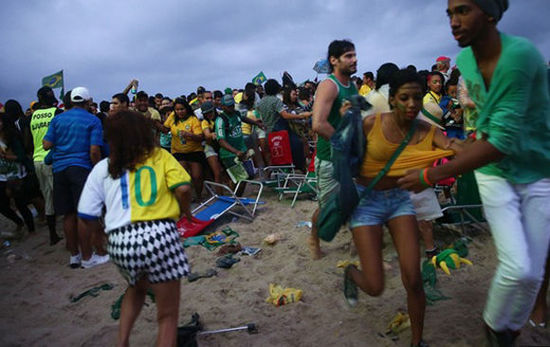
330	95
229	133
506	78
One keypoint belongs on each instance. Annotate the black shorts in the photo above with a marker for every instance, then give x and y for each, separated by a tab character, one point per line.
195	157
67	187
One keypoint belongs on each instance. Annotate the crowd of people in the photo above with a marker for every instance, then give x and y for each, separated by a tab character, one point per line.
137	163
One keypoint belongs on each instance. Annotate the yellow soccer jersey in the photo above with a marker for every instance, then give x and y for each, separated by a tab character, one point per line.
140	195
180	144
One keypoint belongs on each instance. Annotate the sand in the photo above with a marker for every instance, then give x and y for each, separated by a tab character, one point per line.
37	285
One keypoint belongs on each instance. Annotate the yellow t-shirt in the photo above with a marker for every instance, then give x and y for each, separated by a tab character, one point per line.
141	195
180	144
207	124
247	128
431	97
364	90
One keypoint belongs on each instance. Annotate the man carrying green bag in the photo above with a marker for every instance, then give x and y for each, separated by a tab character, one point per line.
329	97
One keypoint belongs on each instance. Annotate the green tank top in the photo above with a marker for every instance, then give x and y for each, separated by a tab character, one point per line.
40	120
344	93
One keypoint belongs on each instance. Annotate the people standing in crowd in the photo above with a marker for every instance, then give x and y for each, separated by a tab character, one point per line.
273	114
38	126
211	146
297	128
205	96
15	115
444	67
144	191
119	102
506	78
229	134
75	138
158	100
368	83
254	137
379	96
142	106
434	81
166	108
14	167
186	145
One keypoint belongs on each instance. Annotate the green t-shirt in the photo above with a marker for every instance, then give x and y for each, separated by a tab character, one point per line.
40	121
514	113
344	93
233	135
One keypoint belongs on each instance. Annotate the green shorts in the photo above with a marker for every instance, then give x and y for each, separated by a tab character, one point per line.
326	183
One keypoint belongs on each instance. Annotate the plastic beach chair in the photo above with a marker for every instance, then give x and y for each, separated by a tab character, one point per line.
218	205
281	159
296	184
465	206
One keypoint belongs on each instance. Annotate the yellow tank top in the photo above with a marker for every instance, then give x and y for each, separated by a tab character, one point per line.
380	150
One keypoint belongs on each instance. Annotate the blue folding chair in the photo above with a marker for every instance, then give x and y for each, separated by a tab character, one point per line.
218	205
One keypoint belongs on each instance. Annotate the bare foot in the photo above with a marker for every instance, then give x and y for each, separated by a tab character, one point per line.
314	248
537	317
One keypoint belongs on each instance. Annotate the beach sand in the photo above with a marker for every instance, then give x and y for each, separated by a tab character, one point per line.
37	285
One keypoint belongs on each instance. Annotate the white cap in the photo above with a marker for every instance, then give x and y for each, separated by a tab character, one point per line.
431	113
80	94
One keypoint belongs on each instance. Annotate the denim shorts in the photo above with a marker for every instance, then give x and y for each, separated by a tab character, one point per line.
380	206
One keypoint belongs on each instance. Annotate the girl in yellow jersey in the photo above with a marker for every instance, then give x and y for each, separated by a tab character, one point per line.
144	190
434	81
388	204
187	138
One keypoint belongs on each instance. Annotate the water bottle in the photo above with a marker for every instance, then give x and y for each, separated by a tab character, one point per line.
182	138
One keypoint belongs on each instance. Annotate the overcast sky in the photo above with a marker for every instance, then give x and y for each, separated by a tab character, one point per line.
174	46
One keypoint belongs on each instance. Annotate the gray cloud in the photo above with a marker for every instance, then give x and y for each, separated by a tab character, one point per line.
174	46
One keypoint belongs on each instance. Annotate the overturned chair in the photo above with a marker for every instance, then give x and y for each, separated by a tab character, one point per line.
218	205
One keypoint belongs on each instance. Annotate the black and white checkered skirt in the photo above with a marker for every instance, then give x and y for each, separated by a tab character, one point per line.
149	248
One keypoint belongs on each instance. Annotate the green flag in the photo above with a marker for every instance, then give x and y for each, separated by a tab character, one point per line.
259	78
54	81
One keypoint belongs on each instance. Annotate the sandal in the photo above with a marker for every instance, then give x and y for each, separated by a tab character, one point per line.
350	288
420	344
537	325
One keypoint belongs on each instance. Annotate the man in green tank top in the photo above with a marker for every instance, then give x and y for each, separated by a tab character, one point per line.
39	122
329	97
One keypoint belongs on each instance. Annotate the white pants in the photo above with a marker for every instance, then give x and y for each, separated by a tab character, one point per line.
519	218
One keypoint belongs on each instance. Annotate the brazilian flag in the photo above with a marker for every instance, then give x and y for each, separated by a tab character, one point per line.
54	81
259	78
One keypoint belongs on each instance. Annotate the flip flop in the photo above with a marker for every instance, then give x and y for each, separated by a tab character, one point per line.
350	288
537	325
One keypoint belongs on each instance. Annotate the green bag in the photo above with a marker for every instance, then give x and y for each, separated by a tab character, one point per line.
331	218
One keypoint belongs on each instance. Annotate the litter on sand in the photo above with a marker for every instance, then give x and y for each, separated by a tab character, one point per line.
400	322
92	292
250	250
345	263
304	224
279	296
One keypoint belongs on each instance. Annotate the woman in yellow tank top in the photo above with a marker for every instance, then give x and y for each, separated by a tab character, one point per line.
390	205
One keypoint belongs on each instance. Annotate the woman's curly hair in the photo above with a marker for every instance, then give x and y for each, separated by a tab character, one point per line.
131	140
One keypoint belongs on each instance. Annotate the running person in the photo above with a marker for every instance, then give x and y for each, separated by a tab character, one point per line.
506	78
386	204
186	144
330	95
144	191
